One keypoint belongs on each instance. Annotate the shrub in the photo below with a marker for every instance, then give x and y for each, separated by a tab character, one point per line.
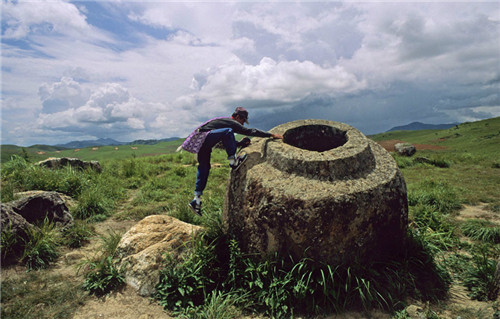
41	246
482	230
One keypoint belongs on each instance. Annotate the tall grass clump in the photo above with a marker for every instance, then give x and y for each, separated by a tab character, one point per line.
281	286
102	275
482	230
220	305
92	203
10	244
187	282
438	195
479	278
435	227
41	245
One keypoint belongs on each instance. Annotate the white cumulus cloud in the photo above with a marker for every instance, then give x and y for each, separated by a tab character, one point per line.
284	81
24	17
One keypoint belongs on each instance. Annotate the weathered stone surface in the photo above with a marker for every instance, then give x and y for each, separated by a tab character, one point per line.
405	149
34	208
141	249
325	191
68	201
415	312
13	222
60	162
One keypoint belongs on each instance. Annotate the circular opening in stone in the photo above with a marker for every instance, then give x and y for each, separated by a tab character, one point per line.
317	138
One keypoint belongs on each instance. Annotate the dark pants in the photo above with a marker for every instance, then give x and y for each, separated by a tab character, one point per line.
225	135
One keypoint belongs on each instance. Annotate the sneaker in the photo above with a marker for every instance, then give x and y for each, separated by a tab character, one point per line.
195	207
238	161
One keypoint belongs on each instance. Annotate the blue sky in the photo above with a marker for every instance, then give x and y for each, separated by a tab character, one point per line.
75	70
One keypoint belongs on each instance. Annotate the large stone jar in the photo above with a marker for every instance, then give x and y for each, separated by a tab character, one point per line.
325	191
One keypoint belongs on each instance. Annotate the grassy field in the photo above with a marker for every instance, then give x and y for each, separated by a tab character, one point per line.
470	150
41	152
445	248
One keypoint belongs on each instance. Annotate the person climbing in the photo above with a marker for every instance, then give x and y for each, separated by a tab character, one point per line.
206	136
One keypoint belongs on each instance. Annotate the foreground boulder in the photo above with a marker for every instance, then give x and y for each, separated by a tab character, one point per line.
40	205
141	250
325	191
61	162
13	223
405	149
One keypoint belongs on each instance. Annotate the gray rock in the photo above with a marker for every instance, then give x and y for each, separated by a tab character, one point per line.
36	207
13	222
405	149
325	191
60	162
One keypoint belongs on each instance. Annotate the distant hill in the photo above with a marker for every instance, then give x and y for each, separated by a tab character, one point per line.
416	126
153	141
112	142
89	143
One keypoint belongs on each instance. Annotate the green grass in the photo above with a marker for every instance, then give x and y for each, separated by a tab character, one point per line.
471	153
482	230
477	140
101	272
40	295
90	153
41	246
78	234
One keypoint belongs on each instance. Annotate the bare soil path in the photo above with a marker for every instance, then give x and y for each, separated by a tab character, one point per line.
389	145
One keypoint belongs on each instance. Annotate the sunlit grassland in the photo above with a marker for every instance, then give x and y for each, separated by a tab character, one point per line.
98	153
476	183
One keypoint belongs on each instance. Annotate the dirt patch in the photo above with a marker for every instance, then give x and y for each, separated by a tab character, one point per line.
478	212
123	304
459	302
389	145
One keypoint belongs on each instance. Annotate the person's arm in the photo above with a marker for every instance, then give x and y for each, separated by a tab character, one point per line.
240	129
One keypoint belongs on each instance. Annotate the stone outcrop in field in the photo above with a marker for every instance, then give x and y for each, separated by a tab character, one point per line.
141	250
37	206
60	162
405	149
325	191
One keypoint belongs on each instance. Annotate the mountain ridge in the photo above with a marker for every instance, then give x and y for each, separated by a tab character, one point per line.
417	126
112	142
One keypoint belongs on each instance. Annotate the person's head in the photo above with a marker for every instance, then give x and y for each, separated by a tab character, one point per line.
240	115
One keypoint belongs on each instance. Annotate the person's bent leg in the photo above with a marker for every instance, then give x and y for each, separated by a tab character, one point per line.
229	142
203	170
